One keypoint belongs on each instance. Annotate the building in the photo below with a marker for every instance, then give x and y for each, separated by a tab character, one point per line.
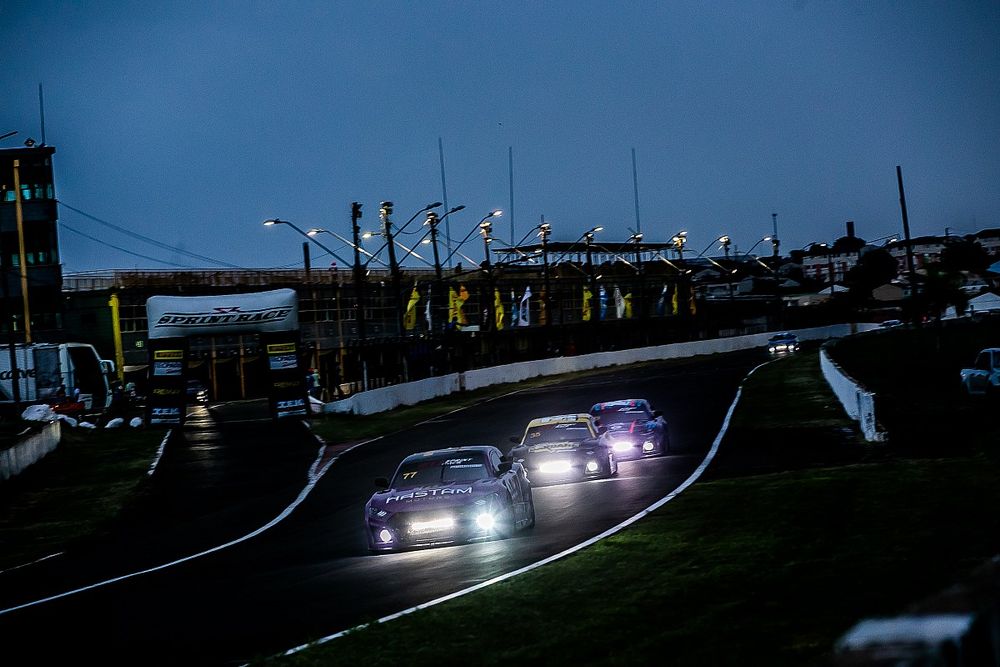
26	182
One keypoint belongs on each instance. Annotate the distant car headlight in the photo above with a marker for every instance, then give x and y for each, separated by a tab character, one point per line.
554	467
622	446
592	466
771	349
385	536
486	521
647	446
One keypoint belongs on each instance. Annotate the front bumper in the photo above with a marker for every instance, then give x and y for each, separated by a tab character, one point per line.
635	447
404	530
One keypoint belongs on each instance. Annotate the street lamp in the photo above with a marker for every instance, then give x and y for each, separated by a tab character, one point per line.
275	221
317	230
766	238
679	240
479	225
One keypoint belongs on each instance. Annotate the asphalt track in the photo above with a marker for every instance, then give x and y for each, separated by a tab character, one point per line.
310	574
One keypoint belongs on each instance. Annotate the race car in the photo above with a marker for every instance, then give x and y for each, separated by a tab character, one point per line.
459	494
635	430
564	448
783	343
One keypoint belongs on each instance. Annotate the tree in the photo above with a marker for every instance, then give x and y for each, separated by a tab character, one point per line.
965	255
875	267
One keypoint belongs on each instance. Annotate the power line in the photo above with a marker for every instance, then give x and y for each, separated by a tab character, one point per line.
146	239
128	252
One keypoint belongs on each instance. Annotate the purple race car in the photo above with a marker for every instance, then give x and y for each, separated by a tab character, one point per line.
450	495
635	430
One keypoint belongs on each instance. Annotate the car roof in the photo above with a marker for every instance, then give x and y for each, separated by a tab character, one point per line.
560	419
464	449
622	403
783	334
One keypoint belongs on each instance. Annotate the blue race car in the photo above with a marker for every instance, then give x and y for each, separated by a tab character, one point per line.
635	430
564	448
460	494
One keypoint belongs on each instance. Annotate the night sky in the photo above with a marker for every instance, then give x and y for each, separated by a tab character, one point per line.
191	123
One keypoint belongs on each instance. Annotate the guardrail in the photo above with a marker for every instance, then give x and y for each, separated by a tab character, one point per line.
409	393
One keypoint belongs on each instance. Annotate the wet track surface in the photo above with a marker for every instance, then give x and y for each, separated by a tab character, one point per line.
310	575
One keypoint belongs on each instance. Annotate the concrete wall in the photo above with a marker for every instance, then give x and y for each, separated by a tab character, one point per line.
29	450
857	401
409	393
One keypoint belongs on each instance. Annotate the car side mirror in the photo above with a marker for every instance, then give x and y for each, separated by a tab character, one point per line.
515	440
381	483
657	413
505	466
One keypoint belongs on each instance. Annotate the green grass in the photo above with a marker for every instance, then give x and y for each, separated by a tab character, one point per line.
74	492
765	569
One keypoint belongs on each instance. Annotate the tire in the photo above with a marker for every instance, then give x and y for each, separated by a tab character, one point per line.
507	525
531	515
665	444
612	465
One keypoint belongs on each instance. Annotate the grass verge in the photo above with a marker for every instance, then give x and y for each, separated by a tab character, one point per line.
74	492
763	569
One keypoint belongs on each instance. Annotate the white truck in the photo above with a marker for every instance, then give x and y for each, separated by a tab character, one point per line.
42	368
984	376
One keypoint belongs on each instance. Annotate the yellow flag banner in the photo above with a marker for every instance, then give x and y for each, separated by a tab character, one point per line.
455	302
628	305
673	300
410	318
588	297
498	308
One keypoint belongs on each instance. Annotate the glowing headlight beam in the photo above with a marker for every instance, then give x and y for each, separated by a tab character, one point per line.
554	467
434	524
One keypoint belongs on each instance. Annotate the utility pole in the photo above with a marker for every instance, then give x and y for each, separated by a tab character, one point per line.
775	243
490	325
21	254
11	335
906	231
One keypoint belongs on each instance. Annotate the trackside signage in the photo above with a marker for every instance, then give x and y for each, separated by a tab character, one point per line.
226	314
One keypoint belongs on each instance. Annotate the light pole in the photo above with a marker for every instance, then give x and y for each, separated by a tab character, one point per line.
595	304
636	239
486	229
544	231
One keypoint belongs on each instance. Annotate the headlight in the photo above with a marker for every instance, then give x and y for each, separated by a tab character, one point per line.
385	536
592	466
554	467
374	511
486	521
647	446
622	446
435	524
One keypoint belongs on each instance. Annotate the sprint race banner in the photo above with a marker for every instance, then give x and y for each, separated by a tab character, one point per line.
166	399
225	314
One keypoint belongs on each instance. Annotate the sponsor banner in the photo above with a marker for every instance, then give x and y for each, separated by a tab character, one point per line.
287	377
274	310
166	398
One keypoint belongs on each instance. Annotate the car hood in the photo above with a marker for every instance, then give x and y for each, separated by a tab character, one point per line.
566	446
433	497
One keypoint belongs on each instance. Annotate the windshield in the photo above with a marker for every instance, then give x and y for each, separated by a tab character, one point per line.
557	433
453	467
623	415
